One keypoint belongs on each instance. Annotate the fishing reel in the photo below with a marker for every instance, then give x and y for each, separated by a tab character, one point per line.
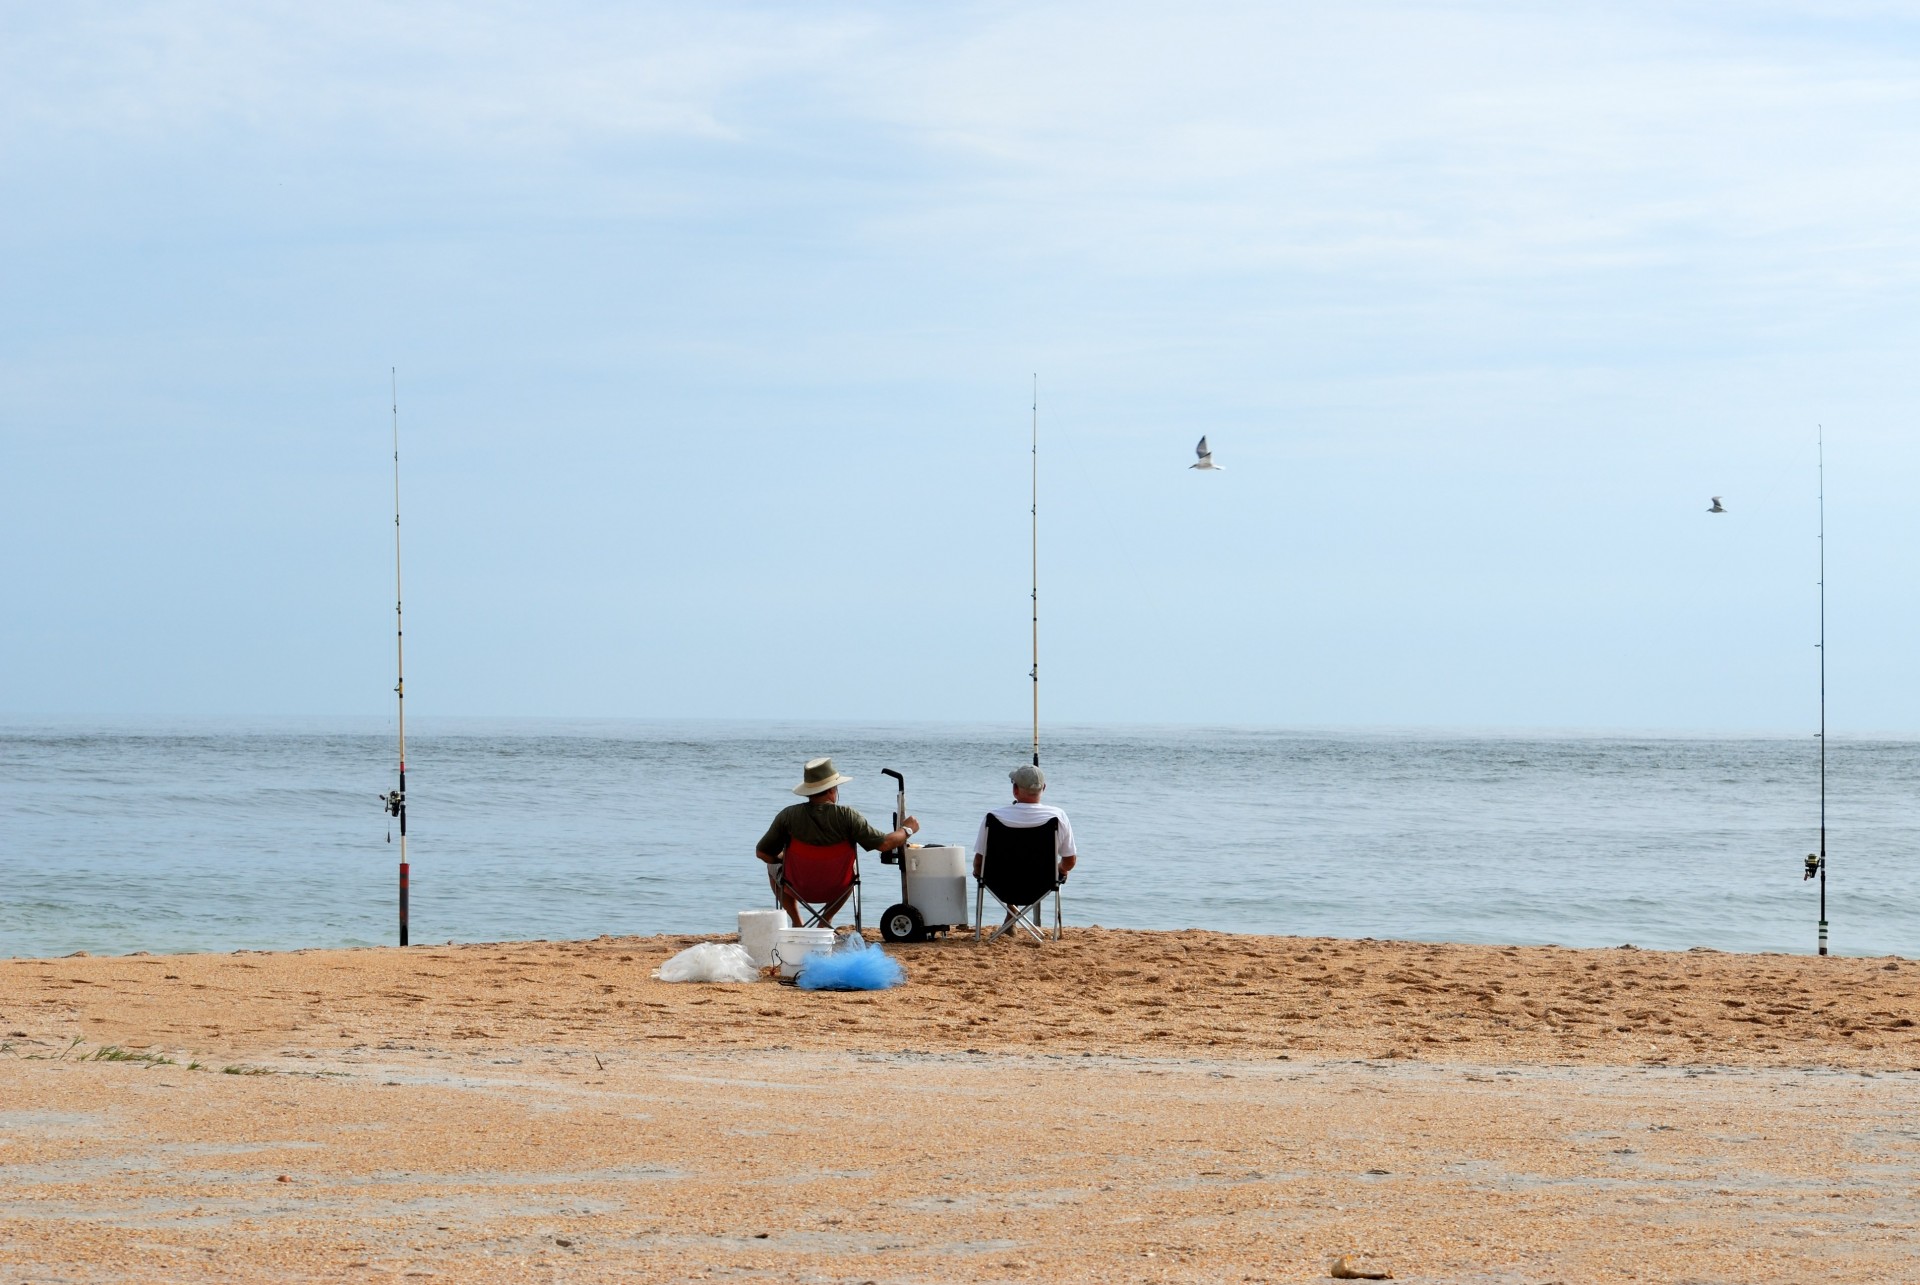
394	803
1813	866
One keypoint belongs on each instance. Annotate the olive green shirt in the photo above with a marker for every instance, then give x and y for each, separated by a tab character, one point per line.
820	824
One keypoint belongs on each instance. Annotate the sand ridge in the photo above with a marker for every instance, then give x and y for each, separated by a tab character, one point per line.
1098	990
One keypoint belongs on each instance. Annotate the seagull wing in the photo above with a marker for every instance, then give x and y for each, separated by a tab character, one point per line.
1201	450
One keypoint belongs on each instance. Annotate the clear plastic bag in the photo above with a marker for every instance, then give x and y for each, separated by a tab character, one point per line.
709	962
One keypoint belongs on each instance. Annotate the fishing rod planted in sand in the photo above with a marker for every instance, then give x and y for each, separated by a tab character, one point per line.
1817	861
1035	672
396	801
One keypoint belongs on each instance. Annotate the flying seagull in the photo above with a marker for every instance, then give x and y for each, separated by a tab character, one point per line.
1206	458
1717	508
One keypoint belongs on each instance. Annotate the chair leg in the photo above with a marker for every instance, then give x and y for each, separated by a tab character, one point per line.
815	916
1013	916
1030	920
1006	926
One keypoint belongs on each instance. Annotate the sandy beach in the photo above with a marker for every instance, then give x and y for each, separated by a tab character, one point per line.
1182	1106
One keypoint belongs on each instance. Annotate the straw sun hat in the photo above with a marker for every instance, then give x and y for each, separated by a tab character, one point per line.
820	777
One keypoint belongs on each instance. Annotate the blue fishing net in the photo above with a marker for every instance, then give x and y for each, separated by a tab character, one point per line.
850	968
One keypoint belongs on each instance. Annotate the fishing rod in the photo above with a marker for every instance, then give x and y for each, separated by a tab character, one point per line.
1817	862
1036	570
397	800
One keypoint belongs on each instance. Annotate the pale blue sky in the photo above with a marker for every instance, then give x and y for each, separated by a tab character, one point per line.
715	325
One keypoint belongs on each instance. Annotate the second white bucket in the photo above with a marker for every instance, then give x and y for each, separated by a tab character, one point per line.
757	928
791	945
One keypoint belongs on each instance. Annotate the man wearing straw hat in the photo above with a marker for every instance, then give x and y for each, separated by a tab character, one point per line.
822	821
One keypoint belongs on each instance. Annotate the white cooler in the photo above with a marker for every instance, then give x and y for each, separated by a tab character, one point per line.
937	883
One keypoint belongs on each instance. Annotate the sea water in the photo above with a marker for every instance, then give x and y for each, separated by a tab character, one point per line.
179	838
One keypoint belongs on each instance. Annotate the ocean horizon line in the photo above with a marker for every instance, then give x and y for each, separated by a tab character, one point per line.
602	724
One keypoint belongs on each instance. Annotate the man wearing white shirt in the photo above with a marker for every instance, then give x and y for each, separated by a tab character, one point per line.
1027	811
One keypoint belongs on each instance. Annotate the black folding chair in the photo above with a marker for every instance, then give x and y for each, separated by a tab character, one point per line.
1019	867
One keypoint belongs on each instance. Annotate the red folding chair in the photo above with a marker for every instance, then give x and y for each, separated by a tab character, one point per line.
821	879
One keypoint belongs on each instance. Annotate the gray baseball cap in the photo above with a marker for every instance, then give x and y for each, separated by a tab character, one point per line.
1028	777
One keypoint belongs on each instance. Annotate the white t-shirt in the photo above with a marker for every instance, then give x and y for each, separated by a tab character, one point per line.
1024	816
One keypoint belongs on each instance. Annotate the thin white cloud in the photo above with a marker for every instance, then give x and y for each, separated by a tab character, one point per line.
1482	140
1476	137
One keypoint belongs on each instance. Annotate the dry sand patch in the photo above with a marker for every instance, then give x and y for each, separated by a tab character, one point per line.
820	1166
1121	1106
1097	991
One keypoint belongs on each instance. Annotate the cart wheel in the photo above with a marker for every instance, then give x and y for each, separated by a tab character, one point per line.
903	923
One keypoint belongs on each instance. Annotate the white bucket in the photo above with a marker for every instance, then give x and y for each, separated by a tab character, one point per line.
757	928
791	945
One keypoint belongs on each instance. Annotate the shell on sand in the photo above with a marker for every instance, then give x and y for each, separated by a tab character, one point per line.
1342	1269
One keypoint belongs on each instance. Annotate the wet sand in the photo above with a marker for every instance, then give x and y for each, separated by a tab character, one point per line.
1117	1106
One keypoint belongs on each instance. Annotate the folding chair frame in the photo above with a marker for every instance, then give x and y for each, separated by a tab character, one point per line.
1026	918
816	915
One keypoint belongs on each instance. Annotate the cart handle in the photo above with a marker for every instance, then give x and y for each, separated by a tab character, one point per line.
899	800
898	855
